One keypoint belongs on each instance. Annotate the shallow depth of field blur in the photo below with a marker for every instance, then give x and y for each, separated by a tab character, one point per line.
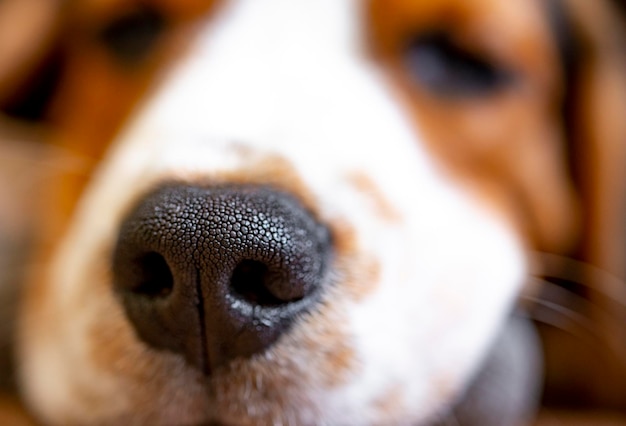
56	52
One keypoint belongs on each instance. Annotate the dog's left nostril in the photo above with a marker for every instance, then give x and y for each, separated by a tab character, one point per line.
250	281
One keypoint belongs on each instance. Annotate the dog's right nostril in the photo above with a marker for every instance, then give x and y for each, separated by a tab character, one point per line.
220	272
153	277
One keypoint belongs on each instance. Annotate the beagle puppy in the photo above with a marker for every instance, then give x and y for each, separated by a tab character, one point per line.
319	212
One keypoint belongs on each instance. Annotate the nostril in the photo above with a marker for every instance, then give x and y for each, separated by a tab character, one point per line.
251	281
151	277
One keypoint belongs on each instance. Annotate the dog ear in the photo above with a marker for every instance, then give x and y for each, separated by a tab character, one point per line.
591	38
597	129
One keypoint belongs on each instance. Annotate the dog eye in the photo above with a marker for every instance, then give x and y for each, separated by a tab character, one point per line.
131	37
437	63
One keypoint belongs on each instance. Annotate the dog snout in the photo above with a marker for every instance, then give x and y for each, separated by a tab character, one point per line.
217	273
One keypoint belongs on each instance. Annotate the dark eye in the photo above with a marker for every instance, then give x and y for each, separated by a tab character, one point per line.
131	37
437	63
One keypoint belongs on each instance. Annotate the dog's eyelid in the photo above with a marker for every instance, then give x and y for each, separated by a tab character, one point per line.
131	36
435	61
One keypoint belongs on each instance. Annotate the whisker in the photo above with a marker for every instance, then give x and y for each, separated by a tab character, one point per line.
584	274
601	296
565	310
565	319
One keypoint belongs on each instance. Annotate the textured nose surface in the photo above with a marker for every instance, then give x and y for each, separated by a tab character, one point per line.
216	273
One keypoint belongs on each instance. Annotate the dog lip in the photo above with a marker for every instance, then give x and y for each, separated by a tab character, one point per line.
216	273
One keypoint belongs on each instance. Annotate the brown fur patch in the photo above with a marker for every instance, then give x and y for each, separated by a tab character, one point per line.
358	273
508	140
381	205
391	403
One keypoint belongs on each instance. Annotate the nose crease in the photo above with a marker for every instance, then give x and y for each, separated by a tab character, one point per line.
205	360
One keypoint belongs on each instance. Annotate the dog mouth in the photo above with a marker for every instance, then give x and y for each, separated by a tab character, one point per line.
216	273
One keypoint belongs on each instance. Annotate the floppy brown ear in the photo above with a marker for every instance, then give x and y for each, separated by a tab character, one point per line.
594	372
599	138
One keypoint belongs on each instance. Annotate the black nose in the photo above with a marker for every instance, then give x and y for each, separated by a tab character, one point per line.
216	273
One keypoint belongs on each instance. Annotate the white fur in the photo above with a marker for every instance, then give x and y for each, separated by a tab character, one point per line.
289	78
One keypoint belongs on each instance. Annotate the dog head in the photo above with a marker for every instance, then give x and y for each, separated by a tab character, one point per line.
321	214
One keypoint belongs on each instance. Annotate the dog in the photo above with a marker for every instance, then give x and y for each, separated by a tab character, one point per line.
316	212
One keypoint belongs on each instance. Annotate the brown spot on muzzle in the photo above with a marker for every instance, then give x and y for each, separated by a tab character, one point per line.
372	192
